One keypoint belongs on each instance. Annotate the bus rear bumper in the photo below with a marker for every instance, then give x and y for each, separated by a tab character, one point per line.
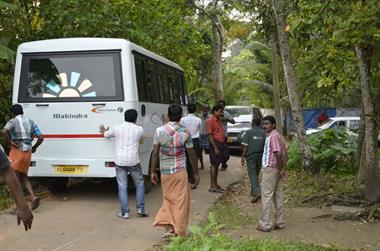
91	168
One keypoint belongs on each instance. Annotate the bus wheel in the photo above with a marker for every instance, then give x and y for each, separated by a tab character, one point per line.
58	185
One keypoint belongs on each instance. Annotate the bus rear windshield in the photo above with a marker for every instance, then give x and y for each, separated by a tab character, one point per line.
71	76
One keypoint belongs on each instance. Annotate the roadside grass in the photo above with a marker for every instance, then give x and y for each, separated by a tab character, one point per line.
226	214
208	237
230	216
301	188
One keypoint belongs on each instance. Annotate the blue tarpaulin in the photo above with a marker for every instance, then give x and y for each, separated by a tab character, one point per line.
310	116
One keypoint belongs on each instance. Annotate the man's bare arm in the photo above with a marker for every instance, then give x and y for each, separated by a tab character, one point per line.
40	139
244	149
6	137
24	213
212	142
154	162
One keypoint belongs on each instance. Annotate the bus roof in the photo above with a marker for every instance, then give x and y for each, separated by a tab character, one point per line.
88	44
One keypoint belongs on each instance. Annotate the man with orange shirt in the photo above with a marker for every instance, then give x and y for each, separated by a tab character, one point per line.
218	148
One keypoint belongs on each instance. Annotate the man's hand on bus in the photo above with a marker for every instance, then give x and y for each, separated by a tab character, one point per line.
154	178
102	129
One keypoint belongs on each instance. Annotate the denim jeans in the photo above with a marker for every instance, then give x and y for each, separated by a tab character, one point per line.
122	182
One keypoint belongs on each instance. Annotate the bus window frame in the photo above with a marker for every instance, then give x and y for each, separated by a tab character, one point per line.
118	74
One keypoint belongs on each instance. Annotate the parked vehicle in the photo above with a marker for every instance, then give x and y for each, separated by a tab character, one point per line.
350	123
243	116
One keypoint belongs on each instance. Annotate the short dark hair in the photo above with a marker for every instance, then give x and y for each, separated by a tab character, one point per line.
223	102
17	110
216	108
191	108
175	112
130	115
271	119
256	121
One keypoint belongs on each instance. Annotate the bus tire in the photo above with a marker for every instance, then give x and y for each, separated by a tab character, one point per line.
58	185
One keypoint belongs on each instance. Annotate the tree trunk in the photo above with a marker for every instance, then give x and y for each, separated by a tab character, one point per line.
291	82
276	89
217	46
368	174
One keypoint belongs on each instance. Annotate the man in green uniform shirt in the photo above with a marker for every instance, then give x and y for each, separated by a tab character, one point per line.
252	151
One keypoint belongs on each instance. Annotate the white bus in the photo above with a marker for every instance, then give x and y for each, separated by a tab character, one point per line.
71	86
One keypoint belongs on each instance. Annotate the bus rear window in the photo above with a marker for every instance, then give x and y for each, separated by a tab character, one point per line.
71	76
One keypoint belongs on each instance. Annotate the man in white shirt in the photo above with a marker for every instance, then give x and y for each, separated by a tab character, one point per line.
127	139
193	124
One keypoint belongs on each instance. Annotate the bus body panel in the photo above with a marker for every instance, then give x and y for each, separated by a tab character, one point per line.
73	146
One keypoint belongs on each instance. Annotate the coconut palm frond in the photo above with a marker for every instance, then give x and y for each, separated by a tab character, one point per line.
258	83
255	45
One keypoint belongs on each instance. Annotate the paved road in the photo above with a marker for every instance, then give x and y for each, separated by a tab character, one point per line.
87	219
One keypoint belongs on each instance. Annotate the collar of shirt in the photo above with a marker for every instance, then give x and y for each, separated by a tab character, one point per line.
271	132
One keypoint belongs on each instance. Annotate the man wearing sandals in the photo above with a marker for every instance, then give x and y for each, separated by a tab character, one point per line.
218	149
252	153
273	164
171	144
18	133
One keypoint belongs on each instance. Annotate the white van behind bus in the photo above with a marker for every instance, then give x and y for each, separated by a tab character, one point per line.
71	86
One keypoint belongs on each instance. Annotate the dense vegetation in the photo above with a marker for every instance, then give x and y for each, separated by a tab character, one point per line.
333	150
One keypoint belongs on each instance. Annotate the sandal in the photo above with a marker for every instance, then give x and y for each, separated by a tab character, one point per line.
221	188
259	228
168	235
35	203
215	190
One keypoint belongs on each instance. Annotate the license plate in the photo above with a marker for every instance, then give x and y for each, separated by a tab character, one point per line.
231	139
63	169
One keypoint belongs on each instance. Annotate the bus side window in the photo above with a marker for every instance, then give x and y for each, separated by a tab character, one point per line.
182	88
151	82
140	78
164	84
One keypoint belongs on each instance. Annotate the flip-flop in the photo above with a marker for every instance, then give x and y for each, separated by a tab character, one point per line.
168	235
215	190
221	188
259	228
35	203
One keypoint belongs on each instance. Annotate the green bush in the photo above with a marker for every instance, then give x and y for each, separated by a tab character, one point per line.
333	151
5	196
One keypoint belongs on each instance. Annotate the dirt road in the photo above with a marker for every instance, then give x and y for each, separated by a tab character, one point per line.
85	218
